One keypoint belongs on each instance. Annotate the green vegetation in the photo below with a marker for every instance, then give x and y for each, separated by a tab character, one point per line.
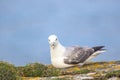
113	74
8	72
82	71
100	70
37	70
32	70
51	71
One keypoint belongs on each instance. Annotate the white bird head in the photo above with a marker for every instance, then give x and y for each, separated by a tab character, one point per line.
53	40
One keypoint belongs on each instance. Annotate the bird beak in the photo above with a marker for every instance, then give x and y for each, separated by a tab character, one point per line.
53	44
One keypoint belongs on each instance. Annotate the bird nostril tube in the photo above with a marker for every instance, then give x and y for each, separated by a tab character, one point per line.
53	44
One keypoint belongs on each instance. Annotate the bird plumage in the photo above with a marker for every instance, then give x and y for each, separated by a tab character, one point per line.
63	57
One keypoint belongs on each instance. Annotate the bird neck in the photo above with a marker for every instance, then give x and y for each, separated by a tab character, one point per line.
57	51
57	46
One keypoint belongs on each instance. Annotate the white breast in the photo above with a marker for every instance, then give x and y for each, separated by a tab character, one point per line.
59	63
57	57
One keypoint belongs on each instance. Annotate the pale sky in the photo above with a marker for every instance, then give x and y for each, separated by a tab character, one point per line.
26	24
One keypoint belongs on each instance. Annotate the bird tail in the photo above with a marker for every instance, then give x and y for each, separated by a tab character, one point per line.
98	48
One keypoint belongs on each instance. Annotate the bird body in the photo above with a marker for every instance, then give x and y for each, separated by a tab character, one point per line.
63	57
57	57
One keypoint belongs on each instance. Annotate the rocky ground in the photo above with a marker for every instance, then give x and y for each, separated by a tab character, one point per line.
90	71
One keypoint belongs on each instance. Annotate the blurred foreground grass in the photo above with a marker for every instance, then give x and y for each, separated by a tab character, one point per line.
35	71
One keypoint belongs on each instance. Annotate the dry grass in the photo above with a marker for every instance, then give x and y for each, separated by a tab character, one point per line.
30	78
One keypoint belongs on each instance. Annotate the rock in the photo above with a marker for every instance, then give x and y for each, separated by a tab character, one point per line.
69	77
92	73
114	78
83	78
97	71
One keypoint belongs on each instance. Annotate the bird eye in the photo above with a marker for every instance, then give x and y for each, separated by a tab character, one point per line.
48	40
56	39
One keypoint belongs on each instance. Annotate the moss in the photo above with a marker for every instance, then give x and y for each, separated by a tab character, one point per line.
50	71
82	71
8	72
34	70
113	74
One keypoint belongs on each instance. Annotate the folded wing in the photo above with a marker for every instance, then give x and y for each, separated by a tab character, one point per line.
76	54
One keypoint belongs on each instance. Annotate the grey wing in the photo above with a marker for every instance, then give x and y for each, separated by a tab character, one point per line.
77	54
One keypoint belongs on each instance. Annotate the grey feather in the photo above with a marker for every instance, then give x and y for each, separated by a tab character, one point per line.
76	54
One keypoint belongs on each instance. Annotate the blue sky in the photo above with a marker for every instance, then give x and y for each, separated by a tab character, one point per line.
26	24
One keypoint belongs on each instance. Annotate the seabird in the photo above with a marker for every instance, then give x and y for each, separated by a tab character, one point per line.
64	57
